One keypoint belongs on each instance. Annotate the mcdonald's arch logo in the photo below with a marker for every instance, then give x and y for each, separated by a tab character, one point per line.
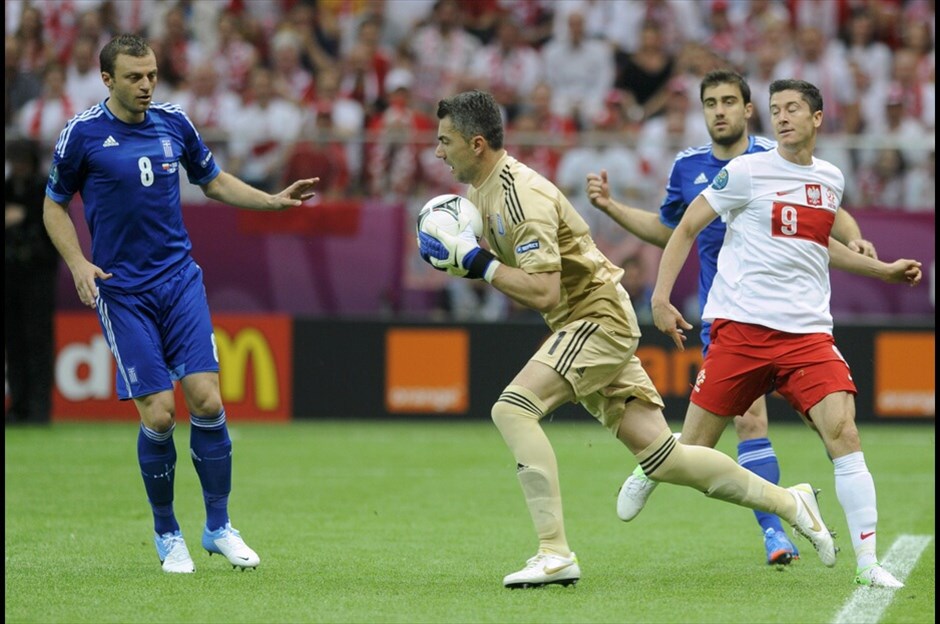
255	355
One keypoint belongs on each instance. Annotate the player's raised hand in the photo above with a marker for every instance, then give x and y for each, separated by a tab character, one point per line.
297	193
864	247
84	276
904	270
669	321
598	190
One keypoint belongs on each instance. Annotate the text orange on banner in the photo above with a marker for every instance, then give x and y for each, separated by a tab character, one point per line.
904	374
427	371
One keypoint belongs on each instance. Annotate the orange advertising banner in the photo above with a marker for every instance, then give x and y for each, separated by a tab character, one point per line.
905	383
255	360
427	371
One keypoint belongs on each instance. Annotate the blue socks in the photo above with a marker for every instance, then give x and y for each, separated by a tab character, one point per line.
211	449
758	456
156	455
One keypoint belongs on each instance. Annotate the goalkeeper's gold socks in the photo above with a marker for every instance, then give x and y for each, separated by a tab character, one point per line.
715	474
517	414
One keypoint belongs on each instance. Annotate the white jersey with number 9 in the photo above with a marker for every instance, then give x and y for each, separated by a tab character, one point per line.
773	268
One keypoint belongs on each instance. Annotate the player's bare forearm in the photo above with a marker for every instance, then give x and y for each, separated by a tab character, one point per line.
698	215
667	317
229	189
538	291
62	233
641	223
61	230
844	259
846	230
899	271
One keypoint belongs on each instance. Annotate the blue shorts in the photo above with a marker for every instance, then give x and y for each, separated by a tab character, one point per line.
706	336
160	335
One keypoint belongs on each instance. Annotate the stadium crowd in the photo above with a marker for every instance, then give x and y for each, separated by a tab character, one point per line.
346	89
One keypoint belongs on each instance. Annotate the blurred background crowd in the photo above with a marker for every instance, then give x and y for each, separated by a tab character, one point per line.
347	89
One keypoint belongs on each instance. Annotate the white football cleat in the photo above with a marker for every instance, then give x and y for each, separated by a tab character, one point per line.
228	542
545	569
876	576
173	554
809	522
633	495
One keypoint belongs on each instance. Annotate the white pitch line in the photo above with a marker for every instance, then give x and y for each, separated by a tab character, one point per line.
868	604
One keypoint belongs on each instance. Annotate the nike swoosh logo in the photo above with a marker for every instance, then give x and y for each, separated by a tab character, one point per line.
816	526
866	535
788	192
549	571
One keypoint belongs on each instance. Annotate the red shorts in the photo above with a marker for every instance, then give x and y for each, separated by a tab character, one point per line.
747	361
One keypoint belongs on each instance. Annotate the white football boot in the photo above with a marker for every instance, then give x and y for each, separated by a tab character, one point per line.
173	554
633	495
545	569
876	576
809	522
228	542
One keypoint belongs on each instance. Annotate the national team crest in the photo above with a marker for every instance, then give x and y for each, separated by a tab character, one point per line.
499	223
813	195
830	199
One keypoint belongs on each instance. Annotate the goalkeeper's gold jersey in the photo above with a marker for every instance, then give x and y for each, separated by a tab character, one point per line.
529	224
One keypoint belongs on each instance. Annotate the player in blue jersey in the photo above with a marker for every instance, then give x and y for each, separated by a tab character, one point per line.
122	156
726	100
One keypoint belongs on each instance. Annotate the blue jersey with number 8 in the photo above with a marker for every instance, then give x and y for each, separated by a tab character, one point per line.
128	177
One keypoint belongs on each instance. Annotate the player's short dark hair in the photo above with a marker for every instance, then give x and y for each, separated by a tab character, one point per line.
474	113
725	76
807	90
131	45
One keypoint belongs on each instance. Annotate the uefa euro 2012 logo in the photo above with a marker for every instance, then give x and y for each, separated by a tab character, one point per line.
721	180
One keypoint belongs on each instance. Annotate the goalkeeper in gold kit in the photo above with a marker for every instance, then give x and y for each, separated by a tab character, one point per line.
540	253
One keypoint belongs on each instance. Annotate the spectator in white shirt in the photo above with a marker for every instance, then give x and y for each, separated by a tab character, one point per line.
213	109
920	186
43	118
579	70
443	51
820	65
860	45
267	127
83	75
508	68
899	125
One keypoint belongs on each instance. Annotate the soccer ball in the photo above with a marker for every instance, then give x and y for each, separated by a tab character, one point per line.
452	214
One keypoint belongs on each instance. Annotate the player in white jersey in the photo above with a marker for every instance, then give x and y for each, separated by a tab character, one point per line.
542	256
769	302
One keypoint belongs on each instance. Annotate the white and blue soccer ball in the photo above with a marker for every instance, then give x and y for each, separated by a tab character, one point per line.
452	214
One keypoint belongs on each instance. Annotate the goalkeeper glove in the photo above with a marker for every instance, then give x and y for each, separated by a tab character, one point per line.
433	252
458	255
425	244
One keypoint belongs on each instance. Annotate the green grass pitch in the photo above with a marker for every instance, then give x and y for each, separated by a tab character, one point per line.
419	522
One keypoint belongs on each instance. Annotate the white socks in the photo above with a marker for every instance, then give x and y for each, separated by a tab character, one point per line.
855	489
